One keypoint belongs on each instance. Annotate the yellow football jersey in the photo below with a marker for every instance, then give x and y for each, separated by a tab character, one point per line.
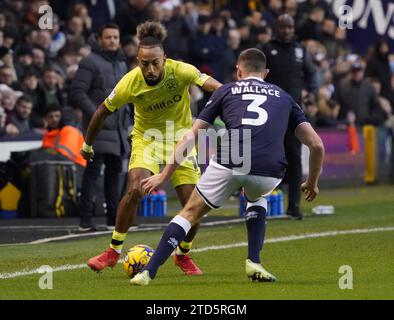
154	106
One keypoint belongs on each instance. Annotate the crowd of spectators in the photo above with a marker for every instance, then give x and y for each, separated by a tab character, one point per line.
37	66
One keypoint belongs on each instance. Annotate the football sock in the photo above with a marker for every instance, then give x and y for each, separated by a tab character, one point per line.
184	248
117	241
255	224
175	232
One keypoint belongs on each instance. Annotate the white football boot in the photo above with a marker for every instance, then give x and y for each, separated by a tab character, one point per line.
256	272
141	279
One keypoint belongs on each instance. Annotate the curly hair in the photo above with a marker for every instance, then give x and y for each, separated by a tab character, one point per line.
151	33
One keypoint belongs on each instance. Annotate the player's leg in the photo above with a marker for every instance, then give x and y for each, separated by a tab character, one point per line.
214	187
293	174
175	233
125	216
88	192
184	180
182	255
141	166
112	176
255	220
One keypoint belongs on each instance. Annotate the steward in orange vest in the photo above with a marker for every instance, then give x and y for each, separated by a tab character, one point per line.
66	140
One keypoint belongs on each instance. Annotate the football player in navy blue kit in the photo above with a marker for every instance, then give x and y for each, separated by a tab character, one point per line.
257	115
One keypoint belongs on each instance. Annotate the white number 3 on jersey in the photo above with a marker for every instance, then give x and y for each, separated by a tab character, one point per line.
255	106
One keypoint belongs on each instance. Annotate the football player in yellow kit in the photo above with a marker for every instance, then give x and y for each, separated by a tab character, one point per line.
159	90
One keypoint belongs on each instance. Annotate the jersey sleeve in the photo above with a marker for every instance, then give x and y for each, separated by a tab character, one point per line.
192	75
297	116
212	108
120	95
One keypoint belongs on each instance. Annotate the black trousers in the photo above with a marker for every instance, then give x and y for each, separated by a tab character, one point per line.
112	186
293	176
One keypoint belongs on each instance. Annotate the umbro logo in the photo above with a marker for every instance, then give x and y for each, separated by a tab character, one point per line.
173	242
140	97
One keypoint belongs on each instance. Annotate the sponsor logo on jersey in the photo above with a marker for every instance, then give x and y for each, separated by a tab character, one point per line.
164	104
171	85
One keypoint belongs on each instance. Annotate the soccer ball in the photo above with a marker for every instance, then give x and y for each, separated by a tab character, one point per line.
136	259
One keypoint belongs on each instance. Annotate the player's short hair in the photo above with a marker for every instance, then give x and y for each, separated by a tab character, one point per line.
151	34
109	25
252	60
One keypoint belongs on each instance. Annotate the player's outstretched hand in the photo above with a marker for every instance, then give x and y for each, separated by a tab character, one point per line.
152	183
311	191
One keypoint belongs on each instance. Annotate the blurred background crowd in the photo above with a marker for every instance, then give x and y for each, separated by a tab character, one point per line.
37	66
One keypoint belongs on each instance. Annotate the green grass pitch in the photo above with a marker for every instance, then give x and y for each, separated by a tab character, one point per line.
306	268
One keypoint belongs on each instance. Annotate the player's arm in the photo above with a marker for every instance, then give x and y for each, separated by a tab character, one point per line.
119	96
308	136
95	125
211	85
182	150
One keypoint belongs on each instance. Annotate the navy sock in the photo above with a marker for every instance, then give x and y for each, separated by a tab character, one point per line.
174	234
255	224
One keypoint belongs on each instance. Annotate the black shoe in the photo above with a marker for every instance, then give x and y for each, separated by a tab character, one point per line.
296	215
110	223
83	229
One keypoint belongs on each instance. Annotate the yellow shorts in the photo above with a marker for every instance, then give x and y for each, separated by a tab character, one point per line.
151	155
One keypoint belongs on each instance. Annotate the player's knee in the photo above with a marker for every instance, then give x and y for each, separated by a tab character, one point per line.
134	194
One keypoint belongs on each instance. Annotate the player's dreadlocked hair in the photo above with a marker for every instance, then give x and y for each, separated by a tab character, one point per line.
151	34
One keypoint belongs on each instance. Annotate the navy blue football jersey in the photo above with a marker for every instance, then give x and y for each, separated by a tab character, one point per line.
257	115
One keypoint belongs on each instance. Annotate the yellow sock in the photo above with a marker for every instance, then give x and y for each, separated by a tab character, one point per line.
184	248
117	241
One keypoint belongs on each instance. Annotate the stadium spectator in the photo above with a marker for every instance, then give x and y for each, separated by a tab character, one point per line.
58	40
304	9
97	75
311	28
205	48
176	43
129	48
8	100
66	140
52	85
8	77
24	61
35	91
191	15
76	33
39	60
378	66
290	7
357	96
384	102
290	67
81	10
130	14
272	12
263	36
20	117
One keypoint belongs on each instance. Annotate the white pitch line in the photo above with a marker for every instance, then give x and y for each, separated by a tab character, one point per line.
153	227
334	233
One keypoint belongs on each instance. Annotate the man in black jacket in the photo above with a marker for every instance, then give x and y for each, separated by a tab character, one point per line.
98	73
291	68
